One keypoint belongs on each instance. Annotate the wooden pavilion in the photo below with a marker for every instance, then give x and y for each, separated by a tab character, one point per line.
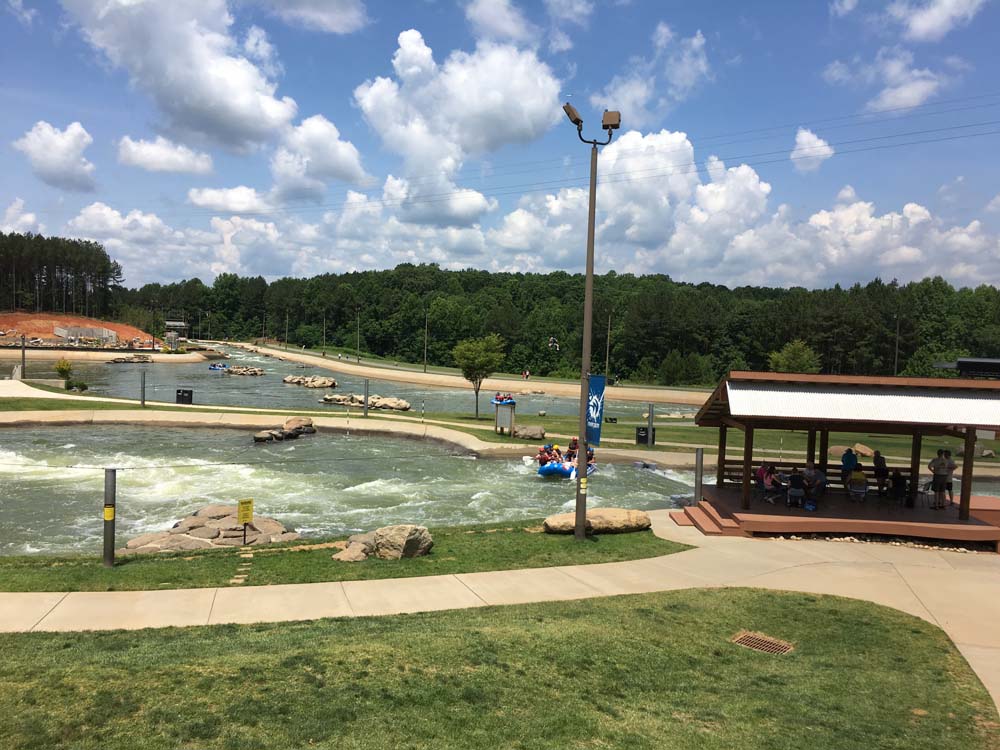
823	404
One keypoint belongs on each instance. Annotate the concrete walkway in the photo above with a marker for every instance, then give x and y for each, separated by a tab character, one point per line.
958	592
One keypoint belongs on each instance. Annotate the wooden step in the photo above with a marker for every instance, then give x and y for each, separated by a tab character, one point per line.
680	518
723	522
702	521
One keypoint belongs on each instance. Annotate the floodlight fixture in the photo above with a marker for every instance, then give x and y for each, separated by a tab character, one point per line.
573	115
612	120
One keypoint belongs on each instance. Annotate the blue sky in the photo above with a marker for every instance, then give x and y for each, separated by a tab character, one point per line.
298	137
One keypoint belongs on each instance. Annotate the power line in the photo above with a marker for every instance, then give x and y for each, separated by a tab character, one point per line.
677	169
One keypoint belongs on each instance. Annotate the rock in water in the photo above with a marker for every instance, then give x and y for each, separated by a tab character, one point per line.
263	437
298	423
600	521
403	540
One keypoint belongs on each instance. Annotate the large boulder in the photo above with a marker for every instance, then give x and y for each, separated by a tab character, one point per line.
529	432
863	450
562	523
367	540
263	437
618	520
214	511
600	521
402	540
354	553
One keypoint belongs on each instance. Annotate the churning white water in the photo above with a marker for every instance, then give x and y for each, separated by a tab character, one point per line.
52	481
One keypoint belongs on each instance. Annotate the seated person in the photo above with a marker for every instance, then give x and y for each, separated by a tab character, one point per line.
857	483
591	458
543	455
796	489
815	481
897	487
761	471
772	485
557	453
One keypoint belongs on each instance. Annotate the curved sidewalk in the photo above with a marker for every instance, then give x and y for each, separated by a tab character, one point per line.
958	592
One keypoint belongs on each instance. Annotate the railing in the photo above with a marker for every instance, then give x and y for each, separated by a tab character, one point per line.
732	469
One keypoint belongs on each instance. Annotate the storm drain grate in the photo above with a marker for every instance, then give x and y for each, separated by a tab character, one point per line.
760	642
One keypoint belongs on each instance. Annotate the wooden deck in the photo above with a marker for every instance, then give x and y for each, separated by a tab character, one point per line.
719	513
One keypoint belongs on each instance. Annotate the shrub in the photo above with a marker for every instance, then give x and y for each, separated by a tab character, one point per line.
64	368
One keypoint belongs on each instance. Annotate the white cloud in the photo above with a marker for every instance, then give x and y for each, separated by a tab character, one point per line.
570	11
810	151
311	154
559	41
841	8
18	221
652	86
162	155
240	199
56	156
994	205
932	20
902	84
500	20
24	15
436	116
332	16
259	49
183	54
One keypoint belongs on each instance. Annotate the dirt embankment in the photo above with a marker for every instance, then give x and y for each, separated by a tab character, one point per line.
43	325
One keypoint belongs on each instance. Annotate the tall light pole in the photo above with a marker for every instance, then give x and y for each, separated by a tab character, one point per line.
324	333
607	352
895	360
286	330
426	328
359	336
610	123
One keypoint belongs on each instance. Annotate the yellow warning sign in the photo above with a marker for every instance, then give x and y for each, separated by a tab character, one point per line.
109	513
245	514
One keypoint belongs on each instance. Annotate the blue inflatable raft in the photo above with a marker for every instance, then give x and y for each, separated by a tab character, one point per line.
218	366
563	470
502	402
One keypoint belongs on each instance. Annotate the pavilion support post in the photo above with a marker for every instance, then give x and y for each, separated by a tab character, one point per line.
811	446
720	472
747	465
824	450
967	461
915	467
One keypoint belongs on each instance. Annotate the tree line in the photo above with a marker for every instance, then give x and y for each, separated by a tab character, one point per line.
53	274
650	329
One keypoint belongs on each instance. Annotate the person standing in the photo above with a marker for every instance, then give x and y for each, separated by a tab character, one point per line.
847	463
938	467
881	472
949	487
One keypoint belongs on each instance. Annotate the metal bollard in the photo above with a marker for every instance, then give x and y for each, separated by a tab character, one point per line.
142	388
110	490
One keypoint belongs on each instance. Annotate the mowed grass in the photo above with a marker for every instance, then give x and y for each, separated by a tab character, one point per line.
462	549
647	672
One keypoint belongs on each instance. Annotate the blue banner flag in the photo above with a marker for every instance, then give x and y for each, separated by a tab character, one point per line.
595	409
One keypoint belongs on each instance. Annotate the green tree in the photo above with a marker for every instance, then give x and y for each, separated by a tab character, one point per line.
795	356
922	363
478	359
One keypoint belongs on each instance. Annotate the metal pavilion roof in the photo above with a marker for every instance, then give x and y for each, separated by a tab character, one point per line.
780	398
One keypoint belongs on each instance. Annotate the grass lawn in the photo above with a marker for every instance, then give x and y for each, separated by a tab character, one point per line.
648	672
461	549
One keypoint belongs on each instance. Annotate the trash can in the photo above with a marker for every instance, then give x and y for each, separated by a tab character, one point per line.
642	436
185	396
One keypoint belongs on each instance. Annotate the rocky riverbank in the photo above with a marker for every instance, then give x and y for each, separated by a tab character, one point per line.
291	429
213	526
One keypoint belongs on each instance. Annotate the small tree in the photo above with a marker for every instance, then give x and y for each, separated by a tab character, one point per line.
795	356
478	359
64	369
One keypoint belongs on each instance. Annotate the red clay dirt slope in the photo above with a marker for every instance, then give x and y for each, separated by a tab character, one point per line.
43	325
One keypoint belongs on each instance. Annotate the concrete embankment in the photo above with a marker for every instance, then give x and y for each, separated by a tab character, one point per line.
74	355
551	388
